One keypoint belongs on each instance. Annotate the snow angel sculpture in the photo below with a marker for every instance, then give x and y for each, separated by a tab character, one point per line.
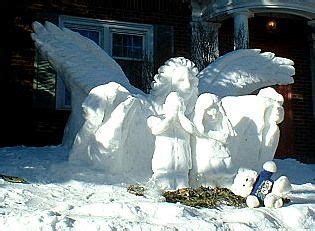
177	74
274	115
211	156
171	160
255	119
94	135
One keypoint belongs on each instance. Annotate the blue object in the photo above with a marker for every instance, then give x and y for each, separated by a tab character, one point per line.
263	185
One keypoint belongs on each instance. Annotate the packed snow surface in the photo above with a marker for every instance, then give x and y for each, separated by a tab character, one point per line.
63	196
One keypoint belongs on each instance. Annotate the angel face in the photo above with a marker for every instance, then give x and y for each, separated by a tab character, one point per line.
208	104
277	113
183	80
178	75
180	79
181	75
173	103
213	112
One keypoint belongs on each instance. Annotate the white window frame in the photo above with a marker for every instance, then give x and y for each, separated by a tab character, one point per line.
106	29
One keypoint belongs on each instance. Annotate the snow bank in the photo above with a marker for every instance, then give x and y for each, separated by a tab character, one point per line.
60	196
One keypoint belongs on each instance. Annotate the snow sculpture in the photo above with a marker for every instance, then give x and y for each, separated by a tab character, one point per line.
109	115
177	74
255	125
97	107
81	64
211	156
261	189
114	125
243	71
274	115
112	143
171	160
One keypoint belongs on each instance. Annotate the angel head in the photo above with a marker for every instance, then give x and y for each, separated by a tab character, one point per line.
174	102
275	110
180	75
207	110
208	104
271	94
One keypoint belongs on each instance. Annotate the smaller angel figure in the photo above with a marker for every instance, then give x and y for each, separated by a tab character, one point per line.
273	116
211	156
171	160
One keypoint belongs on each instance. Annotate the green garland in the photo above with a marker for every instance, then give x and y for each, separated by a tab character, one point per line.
13	179
201	197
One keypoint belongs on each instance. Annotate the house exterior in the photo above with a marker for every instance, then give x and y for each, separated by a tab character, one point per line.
284	27
134	32
145	33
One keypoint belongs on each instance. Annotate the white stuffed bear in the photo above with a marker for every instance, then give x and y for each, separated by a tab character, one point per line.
260	189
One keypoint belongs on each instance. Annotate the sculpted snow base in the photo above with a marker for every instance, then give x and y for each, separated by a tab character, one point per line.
192	129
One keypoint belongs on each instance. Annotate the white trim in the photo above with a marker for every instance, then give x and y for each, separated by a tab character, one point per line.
83	23
222	9
111	25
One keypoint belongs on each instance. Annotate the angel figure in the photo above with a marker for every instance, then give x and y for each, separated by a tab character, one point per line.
105	127
274	115
177	74
211	156
255	118
171	160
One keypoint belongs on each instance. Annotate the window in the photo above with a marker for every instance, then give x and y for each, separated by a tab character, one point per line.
131	50
130	44
127	46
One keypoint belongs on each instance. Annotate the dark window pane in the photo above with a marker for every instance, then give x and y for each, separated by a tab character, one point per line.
117	45
128	40
139	72
91	34
137	41
127	46
133	70
67	98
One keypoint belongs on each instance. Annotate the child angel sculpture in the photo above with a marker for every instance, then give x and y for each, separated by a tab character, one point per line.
171	160
211	156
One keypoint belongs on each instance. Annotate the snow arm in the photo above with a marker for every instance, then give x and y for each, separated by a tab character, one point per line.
158	125
187	124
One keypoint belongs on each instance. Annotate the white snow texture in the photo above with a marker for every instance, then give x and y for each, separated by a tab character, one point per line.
192	140
196	132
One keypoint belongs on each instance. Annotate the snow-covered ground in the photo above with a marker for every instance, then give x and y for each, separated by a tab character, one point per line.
60	196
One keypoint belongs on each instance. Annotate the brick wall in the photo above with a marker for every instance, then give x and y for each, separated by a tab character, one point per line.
165	12
290	40
42	127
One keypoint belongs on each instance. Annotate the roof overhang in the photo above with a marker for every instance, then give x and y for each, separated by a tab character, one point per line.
211	10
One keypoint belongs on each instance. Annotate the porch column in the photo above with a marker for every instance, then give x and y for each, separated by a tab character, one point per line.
312	59
241	33
205	43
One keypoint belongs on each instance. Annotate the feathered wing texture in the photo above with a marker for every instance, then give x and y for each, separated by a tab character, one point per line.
78	60
82	64
243	71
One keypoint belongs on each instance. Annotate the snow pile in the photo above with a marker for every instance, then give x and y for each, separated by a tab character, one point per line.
61	196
